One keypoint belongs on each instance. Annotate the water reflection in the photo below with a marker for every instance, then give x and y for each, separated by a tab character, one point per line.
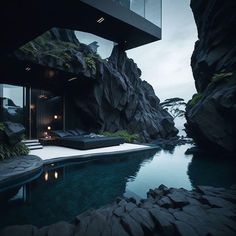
206	169
167	167
63	192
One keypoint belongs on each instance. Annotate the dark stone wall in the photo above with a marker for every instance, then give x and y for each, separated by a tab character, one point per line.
211	117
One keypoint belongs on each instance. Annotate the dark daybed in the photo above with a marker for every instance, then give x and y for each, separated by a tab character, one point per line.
79	140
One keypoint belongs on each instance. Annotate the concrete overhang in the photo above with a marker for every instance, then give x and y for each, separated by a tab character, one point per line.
22	21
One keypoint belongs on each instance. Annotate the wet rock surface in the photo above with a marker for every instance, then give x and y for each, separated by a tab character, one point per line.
211	117
203	211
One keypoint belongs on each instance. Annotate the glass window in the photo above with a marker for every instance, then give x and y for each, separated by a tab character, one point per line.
101	46
153	11
149	9
12	103
138	6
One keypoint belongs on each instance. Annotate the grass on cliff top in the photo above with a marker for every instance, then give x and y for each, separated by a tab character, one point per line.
195	99
45	46
128	138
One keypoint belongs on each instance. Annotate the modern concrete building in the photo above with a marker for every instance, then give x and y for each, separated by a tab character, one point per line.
128	23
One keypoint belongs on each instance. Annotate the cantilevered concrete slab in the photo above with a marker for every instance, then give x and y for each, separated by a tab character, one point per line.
22	21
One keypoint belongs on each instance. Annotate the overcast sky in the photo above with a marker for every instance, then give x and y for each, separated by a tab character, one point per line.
165	64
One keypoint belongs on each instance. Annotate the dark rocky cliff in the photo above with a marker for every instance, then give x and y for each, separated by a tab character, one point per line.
109	94
211	114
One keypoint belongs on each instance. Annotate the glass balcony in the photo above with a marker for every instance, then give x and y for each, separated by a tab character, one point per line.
149	9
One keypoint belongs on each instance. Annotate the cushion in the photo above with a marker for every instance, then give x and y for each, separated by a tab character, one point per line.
60	133
73	132
81	132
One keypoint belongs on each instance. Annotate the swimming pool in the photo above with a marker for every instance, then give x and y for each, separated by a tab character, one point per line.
64	191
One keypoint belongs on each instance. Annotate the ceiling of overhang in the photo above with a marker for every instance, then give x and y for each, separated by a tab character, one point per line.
22	21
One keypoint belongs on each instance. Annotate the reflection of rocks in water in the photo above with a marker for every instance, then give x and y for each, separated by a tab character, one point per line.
166	211
217	172
75	189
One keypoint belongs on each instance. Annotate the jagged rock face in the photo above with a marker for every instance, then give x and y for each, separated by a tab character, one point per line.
216	48
211	119
109	94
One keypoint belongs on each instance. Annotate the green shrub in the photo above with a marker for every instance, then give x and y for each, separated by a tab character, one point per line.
128	138
195	99
89	60
1	126
7	151
221	77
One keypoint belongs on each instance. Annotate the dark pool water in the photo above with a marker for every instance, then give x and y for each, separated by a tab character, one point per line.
61	193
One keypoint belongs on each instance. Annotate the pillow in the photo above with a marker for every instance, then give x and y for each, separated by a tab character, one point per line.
81	132
60	133
73	132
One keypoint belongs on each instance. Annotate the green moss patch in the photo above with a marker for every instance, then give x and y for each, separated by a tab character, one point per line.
195	99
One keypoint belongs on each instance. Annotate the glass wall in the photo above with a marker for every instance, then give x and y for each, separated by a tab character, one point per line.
46	113
11	103
149	9
101	46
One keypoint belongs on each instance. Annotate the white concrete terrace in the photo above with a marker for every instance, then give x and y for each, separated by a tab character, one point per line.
57	152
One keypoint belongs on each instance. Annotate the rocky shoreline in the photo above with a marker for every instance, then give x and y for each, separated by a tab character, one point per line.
166	211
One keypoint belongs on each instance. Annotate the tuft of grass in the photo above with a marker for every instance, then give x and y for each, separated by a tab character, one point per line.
195	99
128	138
221	77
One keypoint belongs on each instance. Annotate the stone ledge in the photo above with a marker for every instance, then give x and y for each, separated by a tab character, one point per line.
19	170
187	213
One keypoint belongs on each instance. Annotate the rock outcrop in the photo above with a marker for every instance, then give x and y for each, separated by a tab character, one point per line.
110	94
166	211
211	114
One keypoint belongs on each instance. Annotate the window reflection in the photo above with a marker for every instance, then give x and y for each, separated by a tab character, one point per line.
11	103
149	9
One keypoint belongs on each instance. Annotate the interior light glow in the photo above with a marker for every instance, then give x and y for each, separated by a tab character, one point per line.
46	176
49	127
56	175
55	117
100	20
74	78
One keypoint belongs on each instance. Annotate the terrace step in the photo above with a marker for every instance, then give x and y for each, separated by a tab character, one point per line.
30	141
33	144
35	147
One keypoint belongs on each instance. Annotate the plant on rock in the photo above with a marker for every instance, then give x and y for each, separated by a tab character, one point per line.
128	138
90	62
223	76
195	99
